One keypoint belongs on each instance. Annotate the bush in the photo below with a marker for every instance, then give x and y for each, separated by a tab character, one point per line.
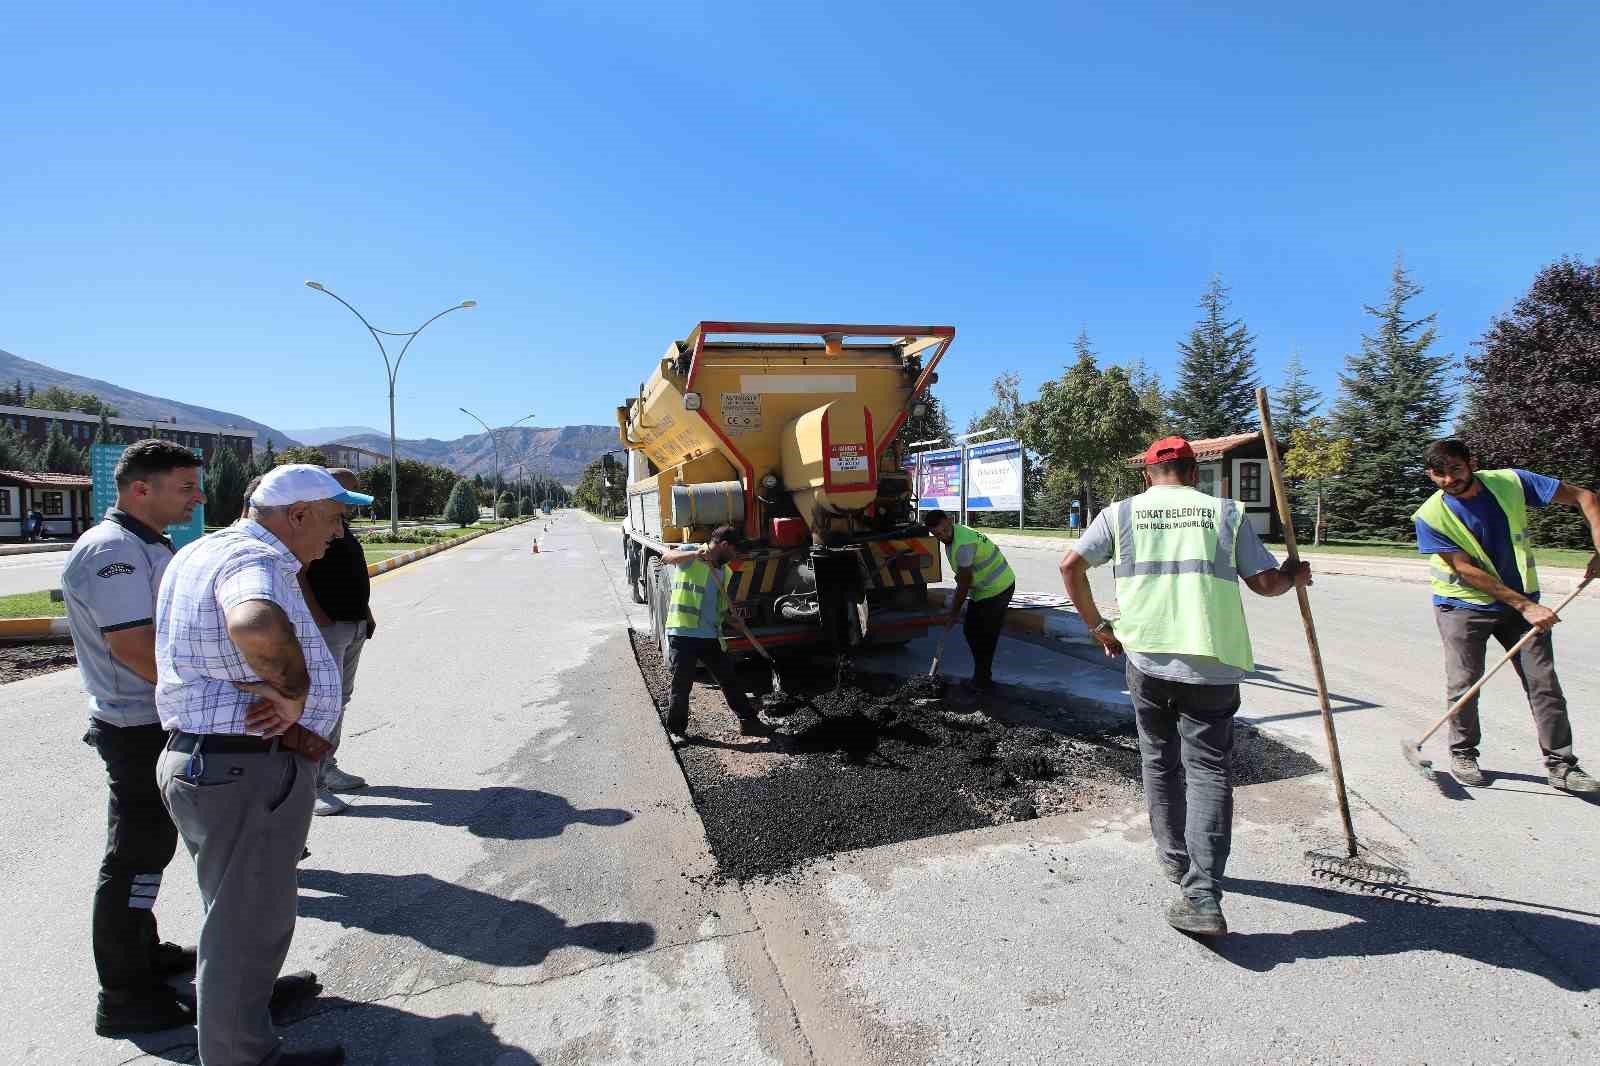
462	508
508	506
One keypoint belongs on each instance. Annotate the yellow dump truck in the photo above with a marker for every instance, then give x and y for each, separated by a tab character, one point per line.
785	431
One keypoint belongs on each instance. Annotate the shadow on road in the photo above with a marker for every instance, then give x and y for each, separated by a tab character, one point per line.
459	921
1262	678
1563	951
498	813
387	1036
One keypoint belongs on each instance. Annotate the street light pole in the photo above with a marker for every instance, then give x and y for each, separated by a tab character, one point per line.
494	438
392	369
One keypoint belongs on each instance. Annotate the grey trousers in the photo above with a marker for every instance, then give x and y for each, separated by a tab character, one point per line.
1185	745
244	821
1466	636
345	641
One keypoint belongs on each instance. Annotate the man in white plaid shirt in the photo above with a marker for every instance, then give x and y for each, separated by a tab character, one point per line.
249	692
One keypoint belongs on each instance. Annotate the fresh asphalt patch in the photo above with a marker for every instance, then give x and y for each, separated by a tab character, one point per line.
874	760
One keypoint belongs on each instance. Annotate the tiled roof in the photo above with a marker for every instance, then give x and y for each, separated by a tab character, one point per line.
35	480
1212	447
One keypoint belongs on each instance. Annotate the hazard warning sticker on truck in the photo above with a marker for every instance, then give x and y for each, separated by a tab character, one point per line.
847	458
741	411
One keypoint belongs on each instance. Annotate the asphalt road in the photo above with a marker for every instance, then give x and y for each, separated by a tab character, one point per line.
527	880
32	572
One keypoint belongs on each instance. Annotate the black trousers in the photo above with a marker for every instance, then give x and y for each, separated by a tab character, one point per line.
682	655
985	619
140	842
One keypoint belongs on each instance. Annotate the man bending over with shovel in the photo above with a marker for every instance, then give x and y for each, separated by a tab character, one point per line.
695	613
1474	531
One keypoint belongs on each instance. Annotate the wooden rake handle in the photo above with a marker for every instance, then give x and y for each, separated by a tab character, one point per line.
1335	763
1527	638
738	622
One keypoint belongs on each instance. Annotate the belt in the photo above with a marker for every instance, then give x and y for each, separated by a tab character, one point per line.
223	743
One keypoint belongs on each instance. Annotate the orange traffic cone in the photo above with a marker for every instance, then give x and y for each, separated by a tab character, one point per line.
536	547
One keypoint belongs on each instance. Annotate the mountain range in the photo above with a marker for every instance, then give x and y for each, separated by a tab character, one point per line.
561	452
131	404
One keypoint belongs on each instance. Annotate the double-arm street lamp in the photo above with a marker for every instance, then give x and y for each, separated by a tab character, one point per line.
494	511
393	370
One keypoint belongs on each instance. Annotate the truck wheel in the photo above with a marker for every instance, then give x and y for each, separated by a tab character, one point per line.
636	577
654	588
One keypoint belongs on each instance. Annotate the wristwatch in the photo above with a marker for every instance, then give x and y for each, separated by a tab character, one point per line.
1103	627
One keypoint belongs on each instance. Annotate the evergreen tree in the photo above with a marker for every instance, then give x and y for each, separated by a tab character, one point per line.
225	479
61	456
1395	396
102	433
1153	398
462	507
15	453
269	458
1216	392
1534	379
301	454
1295	400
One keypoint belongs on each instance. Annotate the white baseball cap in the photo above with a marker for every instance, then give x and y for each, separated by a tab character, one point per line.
302	483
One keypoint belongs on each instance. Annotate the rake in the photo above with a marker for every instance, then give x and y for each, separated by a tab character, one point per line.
1350	868
1412	750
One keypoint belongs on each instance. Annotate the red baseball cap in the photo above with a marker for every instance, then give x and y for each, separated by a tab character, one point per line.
1167	449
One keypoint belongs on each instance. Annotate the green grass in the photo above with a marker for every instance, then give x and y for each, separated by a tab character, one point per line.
379	552
1402	549
31	605
1032	531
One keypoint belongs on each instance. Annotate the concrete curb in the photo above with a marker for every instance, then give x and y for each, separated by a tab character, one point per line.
395	562
30	549
37	628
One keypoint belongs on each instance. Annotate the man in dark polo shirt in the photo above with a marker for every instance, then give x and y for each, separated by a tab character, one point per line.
109	585
338	592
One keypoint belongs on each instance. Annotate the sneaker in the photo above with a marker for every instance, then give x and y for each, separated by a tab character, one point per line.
1571	779
1173	869
1464	768
328	803
125	1014
174	960
1204	919
336	780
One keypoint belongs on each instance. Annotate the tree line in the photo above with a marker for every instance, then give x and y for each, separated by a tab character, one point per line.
1519	398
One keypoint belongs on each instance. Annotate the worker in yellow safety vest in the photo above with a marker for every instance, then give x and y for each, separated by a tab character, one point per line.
983	577
1474	530
1178	556
696	608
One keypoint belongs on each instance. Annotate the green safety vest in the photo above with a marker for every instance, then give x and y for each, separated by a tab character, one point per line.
1174	555
1506	487
691	584
991	574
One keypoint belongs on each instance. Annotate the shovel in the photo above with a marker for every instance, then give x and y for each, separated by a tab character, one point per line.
938	653
778	695
1413	751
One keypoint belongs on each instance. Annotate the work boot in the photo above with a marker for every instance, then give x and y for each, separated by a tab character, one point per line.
1464	768
754	727
1173	869
322	1056
292	988
328	803
336	780
151	1010
173	960
1568	778
1198	919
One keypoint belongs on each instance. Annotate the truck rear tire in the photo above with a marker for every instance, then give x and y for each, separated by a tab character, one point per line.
658	602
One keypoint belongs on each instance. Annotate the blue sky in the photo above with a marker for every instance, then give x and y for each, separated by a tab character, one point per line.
599	177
